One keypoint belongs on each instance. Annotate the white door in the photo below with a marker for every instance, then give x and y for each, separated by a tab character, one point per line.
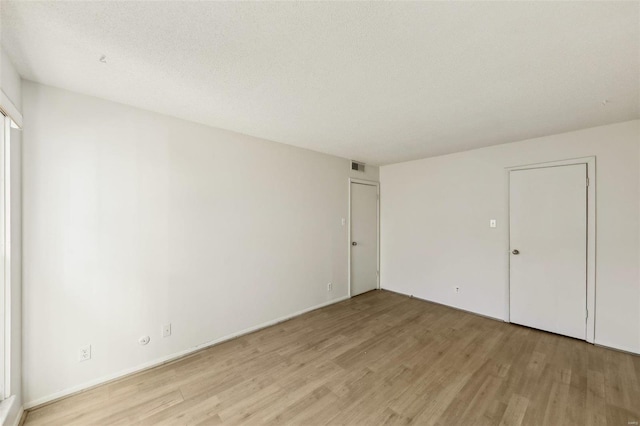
364	238
548	268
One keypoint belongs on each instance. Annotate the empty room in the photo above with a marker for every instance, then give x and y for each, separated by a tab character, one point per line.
319	213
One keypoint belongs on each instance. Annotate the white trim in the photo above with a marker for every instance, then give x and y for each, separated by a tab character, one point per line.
8	409
616	347
6	406
7	256
377	185
591	235
422	299
3	392
7	107
18	419
166	359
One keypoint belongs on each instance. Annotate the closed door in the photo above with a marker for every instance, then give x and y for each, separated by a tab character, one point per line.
548	232
364	238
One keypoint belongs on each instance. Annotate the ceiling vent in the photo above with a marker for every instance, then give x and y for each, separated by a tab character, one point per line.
358	167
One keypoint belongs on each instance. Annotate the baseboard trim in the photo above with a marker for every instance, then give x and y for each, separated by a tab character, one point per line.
84	387
596	343
615	348
448	306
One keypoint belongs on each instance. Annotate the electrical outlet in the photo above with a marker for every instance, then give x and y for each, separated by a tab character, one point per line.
329	287
166	330
457	289
493	223
84	354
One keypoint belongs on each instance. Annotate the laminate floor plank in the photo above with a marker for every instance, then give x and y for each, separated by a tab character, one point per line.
379	358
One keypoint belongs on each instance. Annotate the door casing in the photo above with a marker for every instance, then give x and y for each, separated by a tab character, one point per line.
591	236
377	185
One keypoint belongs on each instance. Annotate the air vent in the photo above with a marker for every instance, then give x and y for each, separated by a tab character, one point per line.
358	167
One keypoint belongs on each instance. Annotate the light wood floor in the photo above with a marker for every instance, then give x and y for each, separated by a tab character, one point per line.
375	359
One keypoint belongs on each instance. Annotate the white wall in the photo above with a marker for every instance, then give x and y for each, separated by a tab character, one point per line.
10	81
435	231
134	219
11	85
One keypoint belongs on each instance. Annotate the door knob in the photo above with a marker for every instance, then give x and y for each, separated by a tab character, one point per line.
515	252
354	243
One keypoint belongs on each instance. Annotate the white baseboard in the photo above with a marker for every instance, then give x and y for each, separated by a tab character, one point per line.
596	342
616	347
448	306
172	357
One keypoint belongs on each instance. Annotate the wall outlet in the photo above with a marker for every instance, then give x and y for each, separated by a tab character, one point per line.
329	287
493	223
84	354
166	330
144	340
457	289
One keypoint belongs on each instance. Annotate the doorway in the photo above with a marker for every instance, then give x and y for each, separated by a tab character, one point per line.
363	236
551	216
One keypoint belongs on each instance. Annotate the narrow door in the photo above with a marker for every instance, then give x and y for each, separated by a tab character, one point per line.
548	228
364	238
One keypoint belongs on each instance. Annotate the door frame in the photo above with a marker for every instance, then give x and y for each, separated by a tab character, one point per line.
377	185
591	236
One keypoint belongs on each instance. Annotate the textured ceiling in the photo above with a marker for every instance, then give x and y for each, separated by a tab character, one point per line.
378	82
